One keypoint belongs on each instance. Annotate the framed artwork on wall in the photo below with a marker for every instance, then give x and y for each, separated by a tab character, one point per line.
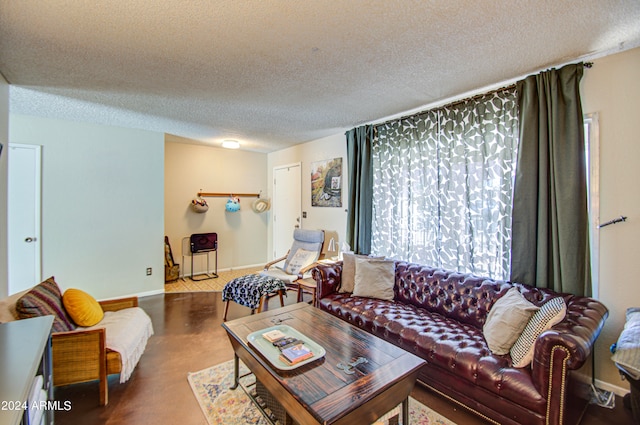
326	183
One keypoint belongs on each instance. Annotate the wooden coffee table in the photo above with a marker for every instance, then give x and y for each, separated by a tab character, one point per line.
321	391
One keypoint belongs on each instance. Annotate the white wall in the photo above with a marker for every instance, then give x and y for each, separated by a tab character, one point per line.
102	204
4	137
612	88
242	235
334	219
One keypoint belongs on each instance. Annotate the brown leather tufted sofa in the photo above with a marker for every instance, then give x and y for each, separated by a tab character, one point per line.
438	315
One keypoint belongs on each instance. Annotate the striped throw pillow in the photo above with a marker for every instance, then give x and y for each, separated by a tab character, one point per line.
550	314
43	300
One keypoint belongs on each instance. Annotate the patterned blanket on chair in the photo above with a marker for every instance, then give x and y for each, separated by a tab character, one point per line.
247	290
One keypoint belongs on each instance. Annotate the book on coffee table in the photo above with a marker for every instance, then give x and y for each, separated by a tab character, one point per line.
273	351
273	335
296	354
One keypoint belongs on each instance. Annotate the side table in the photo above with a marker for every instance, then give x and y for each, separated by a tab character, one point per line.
307	284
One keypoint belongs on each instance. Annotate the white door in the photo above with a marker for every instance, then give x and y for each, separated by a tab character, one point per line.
24	216
287	207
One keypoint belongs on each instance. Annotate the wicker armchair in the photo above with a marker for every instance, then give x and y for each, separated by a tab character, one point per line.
82	356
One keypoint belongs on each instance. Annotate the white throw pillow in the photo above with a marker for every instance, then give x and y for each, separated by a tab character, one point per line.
301	259
550	314
506	321
374	278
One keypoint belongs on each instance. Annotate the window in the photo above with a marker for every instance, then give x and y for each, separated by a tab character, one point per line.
443	185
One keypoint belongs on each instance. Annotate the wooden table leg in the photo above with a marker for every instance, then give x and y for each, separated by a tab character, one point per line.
405	411
226	310
236	372
299	293
263	299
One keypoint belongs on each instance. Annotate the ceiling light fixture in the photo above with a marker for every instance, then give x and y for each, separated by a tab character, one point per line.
230	144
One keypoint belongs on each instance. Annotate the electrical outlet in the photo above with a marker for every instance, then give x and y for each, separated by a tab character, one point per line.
149	271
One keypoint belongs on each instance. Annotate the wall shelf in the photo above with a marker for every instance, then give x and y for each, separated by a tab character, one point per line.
228	194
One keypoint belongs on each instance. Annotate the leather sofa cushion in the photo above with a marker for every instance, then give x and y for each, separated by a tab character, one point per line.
454	347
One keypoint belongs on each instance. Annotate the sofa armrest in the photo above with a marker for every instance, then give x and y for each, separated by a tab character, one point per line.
327	277
567	345
119	304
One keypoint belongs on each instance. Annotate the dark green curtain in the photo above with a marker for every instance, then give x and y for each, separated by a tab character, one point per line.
550	243
360	188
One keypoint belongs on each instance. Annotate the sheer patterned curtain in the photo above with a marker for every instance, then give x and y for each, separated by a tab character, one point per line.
443	184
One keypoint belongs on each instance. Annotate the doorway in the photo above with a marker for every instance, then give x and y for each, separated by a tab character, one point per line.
287	206
24	215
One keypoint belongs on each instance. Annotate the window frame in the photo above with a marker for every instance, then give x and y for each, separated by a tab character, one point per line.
592	158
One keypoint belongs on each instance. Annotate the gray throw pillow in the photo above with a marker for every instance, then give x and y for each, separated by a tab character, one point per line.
374	278
506	321
349	270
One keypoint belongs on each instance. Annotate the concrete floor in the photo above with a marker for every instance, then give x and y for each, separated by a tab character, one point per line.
188	337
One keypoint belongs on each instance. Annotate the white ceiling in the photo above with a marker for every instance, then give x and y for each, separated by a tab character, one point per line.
272	73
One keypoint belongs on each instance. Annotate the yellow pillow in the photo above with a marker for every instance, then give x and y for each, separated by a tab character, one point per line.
82	307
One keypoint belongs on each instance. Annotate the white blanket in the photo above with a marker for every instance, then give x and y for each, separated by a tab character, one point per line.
127	333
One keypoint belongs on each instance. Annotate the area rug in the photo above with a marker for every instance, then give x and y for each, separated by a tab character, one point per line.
223	406
207	285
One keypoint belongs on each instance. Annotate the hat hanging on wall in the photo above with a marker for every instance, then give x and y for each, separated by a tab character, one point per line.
261	205
199	205
233	204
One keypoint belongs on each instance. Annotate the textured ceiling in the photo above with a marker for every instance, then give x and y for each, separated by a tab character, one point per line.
271	73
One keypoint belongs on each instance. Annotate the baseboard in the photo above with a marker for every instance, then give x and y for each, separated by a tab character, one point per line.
607	386
149	293
139	295
249	266
617	390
